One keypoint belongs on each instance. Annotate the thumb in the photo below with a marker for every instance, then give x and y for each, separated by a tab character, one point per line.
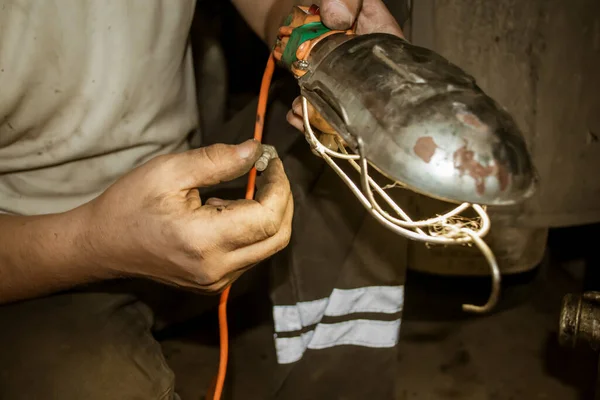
210	165
340	14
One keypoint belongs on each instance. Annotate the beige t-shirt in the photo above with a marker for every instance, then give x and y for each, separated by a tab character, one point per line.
89	89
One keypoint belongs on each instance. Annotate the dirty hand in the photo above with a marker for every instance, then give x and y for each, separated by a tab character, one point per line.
370	15
151	223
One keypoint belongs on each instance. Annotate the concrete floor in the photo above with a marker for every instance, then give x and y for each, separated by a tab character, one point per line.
510	355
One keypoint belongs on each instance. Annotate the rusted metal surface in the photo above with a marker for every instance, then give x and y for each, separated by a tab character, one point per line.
423	120
425	148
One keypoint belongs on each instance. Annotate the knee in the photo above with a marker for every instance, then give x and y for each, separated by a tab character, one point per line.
81	346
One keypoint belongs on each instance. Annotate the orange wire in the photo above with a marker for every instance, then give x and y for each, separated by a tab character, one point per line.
258	133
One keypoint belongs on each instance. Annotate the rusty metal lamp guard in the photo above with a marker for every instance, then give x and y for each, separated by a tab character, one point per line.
442	230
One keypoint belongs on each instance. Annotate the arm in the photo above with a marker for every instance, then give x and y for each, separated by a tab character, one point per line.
42	254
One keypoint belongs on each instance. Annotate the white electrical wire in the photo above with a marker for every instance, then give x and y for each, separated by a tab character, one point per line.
442	229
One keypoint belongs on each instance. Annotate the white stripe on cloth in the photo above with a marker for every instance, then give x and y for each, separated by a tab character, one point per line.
289	350
371	299
303	314
361	332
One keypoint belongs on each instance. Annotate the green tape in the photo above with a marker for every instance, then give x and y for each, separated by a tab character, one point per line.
300	35
288	20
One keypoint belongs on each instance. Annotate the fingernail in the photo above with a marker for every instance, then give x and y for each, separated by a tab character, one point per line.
289	116
213	201
338	15
297	107
247	149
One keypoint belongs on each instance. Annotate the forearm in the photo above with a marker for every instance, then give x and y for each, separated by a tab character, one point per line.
44	254
266	16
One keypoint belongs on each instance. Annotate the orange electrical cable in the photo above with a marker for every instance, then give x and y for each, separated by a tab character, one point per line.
258	132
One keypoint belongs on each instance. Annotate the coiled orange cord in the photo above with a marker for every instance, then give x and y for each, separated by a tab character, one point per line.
258	133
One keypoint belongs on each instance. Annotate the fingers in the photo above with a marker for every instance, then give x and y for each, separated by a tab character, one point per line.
262	250
208	166
193	199
371	16
295	120
375	17
297	106
294	116
240	260
208	239
340	14
235	224
213	201
274	189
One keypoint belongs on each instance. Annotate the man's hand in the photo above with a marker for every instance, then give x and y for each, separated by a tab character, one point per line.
151	223
371	16
266	16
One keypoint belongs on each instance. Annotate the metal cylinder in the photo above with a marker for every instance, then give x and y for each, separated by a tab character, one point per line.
580	321
269	153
